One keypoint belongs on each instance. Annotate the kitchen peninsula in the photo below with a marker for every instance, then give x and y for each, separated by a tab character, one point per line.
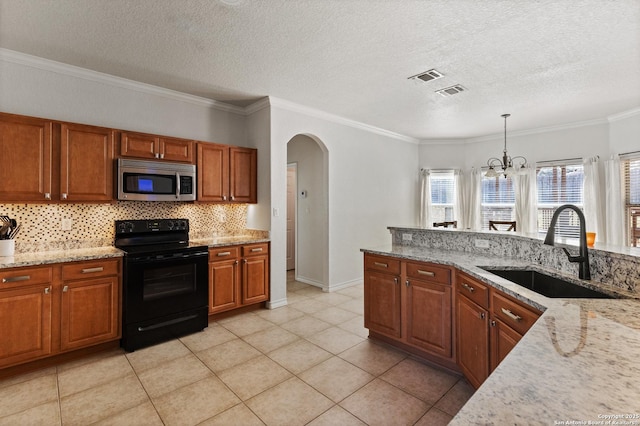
578	361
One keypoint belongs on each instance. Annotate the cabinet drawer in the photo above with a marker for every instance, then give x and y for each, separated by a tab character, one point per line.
255	249
75	271
382	264
223	253
473	290
512	313
429	272
25	276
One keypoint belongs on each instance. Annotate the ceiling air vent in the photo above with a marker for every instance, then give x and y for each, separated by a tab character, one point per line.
427	76
450	91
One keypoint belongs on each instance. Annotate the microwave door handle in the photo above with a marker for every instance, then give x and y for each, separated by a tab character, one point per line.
177	185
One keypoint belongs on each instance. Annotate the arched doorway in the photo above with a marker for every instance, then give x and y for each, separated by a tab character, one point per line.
311	209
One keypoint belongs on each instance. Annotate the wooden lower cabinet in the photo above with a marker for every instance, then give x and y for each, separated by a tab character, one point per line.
232	286
472	324
411	303
502	339
43	315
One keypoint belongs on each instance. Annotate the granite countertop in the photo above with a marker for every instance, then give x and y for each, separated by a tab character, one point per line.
73	255
578	363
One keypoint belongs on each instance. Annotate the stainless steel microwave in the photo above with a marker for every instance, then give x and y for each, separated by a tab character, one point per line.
141	180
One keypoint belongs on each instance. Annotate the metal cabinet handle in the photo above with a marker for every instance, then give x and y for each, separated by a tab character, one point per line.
65	289
47	290
162	156
382	265
406	283
511	315
18	278
90	270
47	195
245	261
236	262
468	287
224	253
427	273
64	195
493	323
156	155
232	198
224	198
482	315
395	280
257	249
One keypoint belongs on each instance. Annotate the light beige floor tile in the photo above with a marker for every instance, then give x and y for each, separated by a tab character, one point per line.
354	305
45	414
144	414
243	325
305	326
420	380
293	285
309	306
336	378
195	403
254	376
355	326
309	291
29	394
380	403
211	336
173	374
373	358
227	355
333	298
336	416
290	403
239	415
150	357
434	417
103	401
334	315
353	291
280	315
294	298
270	339
299	356
94	374
90	359
453	401
335	340
26	377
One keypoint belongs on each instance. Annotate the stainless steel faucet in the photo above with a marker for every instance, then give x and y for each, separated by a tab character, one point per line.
584	272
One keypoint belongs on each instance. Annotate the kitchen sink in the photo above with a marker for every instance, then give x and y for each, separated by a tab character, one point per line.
547	285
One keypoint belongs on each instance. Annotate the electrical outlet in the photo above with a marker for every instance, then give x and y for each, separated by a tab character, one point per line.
66	225
482	243
407	237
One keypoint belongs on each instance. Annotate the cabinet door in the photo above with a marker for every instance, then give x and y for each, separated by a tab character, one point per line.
26	146
90	312
429	316
255	279
86	163
243	178
224	288
472	340
213	172
382	303
139	145
503	339
25	317
176	150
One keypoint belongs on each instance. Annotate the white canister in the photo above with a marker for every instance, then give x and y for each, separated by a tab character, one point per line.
7	247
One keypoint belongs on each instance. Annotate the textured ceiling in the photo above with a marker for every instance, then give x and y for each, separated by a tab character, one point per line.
545	62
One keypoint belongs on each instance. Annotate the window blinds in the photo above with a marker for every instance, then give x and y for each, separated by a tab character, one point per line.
498	200
558	185
442	195
630	165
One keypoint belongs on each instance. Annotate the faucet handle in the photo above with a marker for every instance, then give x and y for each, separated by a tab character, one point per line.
572	258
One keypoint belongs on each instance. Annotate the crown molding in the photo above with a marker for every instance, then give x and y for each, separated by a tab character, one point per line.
99	77
257	106
624	114
312	112
452	141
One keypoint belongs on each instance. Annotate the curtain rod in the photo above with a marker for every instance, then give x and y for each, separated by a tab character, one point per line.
436	170
560	161
629	153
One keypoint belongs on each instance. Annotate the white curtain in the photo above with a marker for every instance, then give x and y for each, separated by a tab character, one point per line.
467	201
592	203
425	199
614	224
526	196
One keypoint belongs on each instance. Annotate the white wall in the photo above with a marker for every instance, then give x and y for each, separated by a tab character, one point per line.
372	184
624	132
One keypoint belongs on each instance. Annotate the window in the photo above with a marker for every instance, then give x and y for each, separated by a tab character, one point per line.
631	181
498	200
560	184
442	196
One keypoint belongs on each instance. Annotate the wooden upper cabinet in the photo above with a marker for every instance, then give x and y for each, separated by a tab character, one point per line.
152	147
27	157
243	179
86	163
213	172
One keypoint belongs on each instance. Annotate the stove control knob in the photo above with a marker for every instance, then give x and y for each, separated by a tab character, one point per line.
129	226
183	224
170	224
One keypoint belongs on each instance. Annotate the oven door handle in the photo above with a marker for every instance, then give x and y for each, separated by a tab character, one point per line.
161	258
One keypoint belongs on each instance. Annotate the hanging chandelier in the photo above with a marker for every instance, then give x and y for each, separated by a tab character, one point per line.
506	165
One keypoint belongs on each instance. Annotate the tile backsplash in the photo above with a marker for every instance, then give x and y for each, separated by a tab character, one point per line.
93	224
